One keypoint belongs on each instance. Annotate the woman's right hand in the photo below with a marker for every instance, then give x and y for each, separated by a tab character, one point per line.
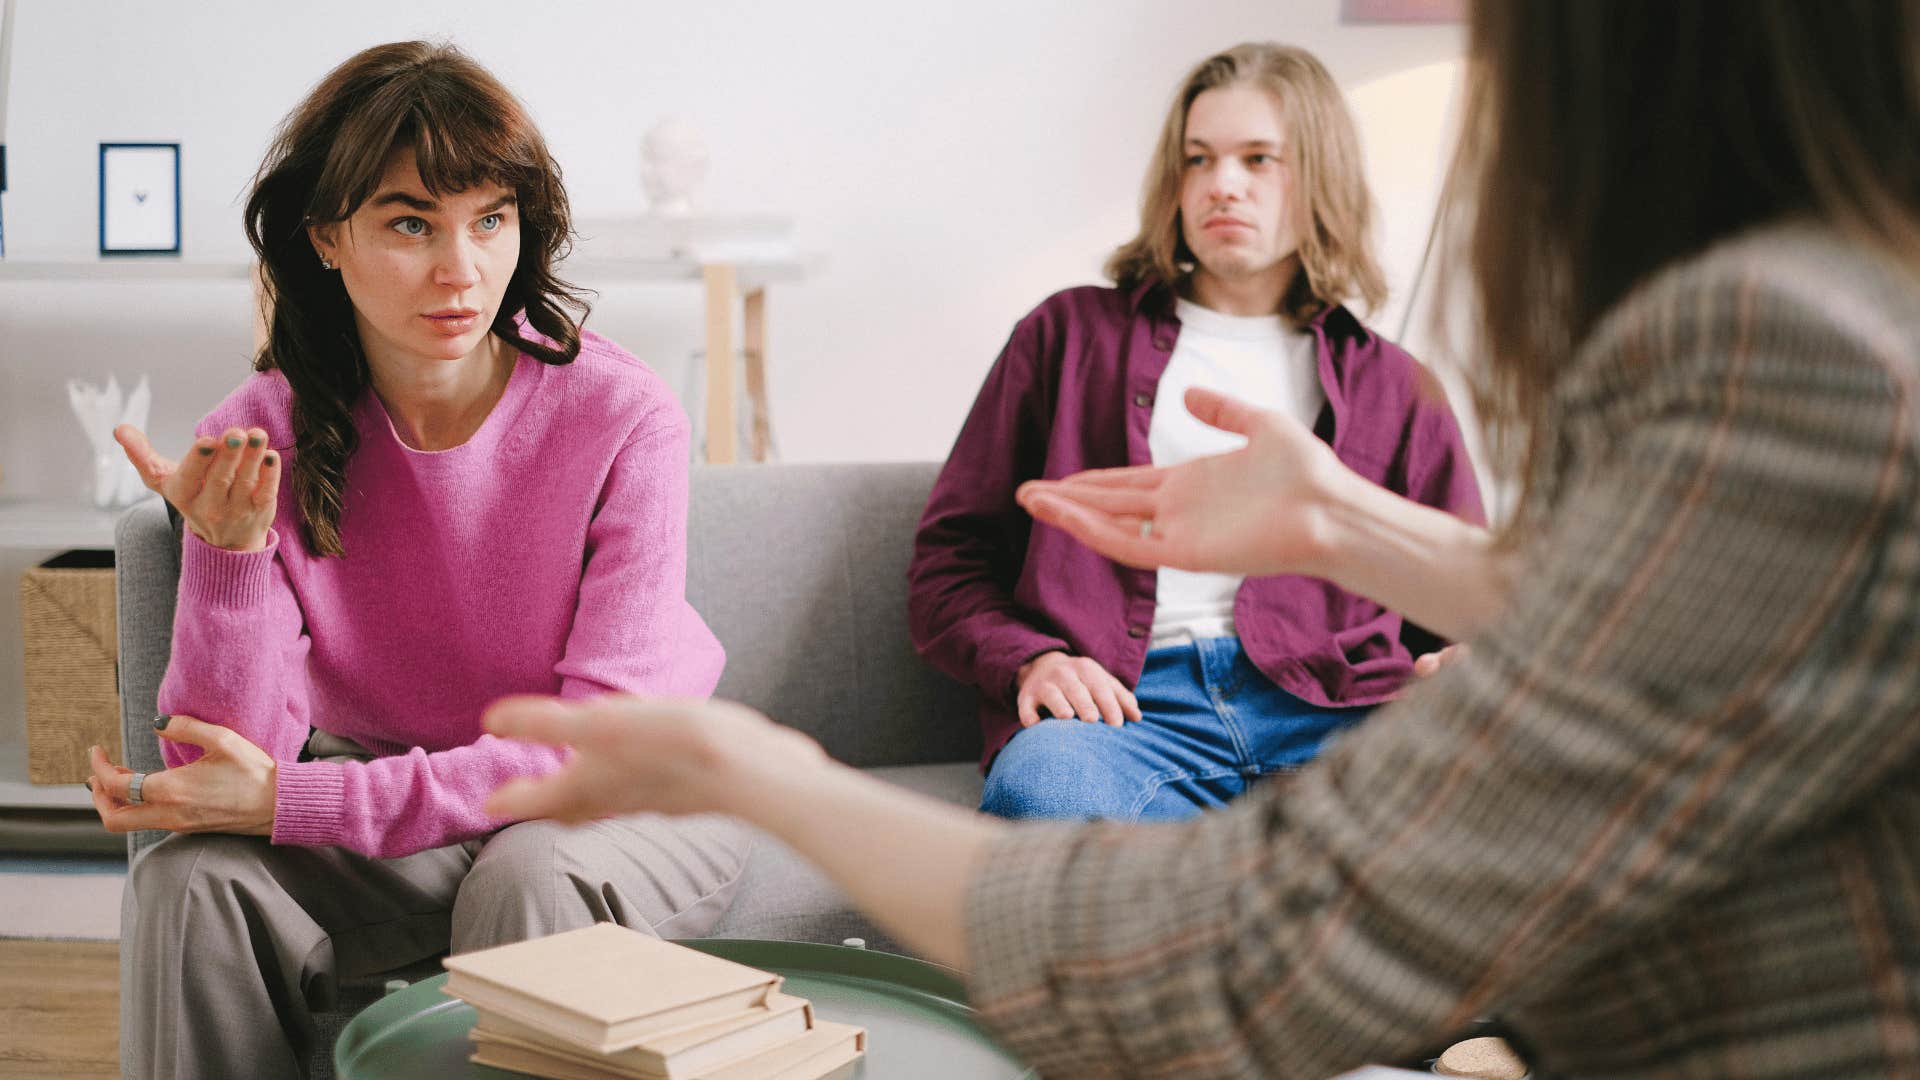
632	754
226	489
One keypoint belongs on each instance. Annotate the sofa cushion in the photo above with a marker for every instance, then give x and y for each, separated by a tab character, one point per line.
801	571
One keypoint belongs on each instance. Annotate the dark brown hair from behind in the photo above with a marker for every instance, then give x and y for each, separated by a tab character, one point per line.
1605	141
327	158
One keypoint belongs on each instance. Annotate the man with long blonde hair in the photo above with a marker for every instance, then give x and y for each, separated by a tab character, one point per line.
1117	693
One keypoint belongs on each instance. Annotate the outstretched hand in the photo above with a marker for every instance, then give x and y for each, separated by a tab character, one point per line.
226	489
1251	511
629	754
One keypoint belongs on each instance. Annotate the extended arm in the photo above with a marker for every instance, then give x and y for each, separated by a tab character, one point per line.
1621	747
902	856
1284	504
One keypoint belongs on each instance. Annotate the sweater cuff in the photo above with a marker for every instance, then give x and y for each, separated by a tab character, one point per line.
307	801
1011	927
216	577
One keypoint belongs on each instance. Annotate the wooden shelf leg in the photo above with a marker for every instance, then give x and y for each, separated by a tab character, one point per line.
755	321
721	427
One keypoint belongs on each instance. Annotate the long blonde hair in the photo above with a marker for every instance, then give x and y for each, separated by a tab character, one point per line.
1322	149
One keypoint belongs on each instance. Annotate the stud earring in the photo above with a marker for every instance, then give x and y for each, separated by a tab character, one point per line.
324	264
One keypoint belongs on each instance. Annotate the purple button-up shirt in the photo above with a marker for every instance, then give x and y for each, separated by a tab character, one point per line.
989	590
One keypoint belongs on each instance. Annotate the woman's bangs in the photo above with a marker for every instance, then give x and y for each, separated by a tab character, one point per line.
468	149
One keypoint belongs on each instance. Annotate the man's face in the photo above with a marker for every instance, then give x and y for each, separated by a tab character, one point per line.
1236	193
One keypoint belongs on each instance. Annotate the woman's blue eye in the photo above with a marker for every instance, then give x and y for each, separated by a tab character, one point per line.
410	226
1196	159
491	222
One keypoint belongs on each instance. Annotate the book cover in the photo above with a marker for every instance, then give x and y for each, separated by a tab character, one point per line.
604	987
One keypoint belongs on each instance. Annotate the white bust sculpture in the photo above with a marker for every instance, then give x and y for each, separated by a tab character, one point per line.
673	162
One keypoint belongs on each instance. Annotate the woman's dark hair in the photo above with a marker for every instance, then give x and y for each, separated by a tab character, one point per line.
327	158
1605	141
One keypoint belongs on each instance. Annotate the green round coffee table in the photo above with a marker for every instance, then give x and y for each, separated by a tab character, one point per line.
916	1015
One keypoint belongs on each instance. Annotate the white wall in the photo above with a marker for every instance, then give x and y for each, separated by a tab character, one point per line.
953	161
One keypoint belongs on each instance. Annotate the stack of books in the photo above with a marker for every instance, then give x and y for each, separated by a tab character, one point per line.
608	1002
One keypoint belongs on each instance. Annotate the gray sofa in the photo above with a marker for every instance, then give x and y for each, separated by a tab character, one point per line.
801	572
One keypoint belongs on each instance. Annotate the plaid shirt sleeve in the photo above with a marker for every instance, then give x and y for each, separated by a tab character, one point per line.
1708	664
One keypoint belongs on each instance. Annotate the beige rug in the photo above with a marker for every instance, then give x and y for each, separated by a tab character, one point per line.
56	897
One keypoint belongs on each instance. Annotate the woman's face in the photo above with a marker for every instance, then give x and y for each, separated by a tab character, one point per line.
426	275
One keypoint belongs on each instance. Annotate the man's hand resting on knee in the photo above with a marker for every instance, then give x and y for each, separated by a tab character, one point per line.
1072	686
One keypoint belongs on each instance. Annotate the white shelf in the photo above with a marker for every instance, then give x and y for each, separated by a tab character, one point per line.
17	793
126	268
749	273
753	272
56	524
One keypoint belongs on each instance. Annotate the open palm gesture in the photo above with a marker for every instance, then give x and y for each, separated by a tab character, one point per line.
226	489
1253	511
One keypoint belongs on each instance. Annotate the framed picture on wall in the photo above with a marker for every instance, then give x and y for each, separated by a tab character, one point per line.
139	198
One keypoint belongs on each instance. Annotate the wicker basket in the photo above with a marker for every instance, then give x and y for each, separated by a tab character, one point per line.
73	697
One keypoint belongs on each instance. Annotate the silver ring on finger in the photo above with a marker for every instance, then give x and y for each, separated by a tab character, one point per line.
133	787
1146	528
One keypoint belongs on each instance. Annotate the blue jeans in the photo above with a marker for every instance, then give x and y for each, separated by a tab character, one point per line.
1212	723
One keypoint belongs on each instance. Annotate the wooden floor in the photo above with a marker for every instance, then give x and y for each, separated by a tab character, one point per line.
59	1008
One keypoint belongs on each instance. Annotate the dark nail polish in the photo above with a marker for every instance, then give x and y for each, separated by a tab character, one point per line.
205	451
160	722
233	442
268	459
256	442
89	783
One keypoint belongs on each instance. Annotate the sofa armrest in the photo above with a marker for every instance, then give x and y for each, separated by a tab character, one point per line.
146	575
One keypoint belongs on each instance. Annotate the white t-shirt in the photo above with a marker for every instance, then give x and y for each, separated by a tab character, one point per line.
1259	359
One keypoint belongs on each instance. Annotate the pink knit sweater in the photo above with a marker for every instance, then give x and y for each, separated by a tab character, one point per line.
547	554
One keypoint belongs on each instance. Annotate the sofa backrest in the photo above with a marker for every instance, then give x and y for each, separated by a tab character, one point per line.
799	569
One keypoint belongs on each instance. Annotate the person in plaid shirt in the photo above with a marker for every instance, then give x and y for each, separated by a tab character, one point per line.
1662	818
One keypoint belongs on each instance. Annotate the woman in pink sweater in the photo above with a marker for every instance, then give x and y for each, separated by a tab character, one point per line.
479	499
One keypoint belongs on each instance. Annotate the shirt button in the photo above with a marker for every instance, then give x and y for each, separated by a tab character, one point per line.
1136	631
1143	400
1163	343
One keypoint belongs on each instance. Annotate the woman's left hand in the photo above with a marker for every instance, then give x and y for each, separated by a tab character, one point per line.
228	789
